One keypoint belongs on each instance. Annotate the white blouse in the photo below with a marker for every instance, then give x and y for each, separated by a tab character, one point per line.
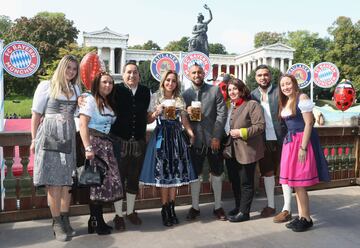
305	106
42	94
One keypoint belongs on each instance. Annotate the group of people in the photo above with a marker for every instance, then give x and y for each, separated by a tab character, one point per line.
113	119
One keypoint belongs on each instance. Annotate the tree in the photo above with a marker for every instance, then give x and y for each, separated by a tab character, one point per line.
5	25
309	47
149	45
217	48
48	32
146	78
180	45
268	38
252	84
344	49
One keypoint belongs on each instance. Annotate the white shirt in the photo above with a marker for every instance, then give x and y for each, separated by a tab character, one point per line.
269	126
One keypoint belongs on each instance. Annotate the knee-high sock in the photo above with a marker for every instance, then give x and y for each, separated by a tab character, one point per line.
269	189
130	203
216	183
119	208
195	194
287	192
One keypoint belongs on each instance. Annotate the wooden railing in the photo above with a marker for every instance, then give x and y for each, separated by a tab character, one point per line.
22	201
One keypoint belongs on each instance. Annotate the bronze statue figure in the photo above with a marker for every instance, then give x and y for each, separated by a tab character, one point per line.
199	42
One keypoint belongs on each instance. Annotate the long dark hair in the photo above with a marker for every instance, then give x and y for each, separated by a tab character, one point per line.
100	100
283	99
244	91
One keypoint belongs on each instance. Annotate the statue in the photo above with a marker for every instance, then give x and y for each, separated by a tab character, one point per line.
199	42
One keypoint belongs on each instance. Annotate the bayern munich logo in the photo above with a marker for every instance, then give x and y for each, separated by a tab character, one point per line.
20	59
326	75
163	62
302	73
195	58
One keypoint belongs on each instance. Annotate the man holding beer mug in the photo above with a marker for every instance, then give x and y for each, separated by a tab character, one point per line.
207	110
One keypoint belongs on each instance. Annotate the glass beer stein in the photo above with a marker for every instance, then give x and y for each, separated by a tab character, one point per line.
169	109
195	111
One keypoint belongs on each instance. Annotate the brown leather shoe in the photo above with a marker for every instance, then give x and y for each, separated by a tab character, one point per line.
267	212
220	214
283	216
192	214
119	223
134	218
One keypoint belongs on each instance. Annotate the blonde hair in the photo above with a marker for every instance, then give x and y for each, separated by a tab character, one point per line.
179	101
58	83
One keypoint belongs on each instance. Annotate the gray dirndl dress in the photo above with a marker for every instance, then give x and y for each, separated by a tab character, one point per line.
51	167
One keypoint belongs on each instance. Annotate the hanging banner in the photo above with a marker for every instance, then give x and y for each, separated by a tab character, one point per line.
163	62
302	73
196	57
20	59
326	74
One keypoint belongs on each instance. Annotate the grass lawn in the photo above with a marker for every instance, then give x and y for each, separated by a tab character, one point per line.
18	104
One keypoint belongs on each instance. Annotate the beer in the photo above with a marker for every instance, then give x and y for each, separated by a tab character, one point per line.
195	111
169	109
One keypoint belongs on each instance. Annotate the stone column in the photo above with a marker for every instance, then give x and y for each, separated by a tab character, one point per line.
240	75
236	71
227	69
290	63
282	67
112	60
123	59
264	61
248	68
272	62
244	72
259	61
99	51
219	70
253	64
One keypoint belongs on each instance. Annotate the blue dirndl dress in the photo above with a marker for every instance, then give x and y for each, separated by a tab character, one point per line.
167	160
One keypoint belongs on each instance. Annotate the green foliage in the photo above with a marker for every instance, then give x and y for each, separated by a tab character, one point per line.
19	105
217	48
5	25
268	38
180	45
149	45
48	32
309	46
146	78
252	84
344	49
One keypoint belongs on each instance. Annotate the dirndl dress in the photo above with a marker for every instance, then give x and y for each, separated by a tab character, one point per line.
315	166
51	167
167	160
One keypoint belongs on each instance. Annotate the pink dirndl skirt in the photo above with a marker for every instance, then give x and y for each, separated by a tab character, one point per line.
293	172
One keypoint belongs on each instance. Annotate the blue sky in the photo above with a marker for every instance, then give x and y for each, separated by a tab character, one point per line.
234	24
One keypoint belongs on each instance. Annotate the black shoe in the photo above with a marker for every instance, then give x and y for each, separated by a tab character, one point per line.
192	214
173	217
233	212
240	217
292	223
302	225
95	226
165	215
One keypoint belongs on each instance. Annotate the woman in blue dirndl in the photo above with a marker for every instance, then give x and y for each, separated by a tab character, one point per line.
167	163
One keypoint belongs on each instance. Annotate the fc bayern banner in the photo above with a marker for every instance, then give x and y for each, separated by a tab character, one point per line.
20	59
198	58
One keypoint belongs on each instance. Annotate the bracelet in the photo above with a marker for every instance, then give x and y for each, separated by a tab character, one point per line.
89	148
305	150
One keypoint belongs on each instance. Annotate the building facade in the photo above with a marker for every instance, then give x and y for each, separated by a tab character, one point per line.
113	49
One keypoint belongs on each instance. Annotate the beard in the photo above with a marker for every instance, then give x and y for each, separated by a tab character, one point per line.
264	87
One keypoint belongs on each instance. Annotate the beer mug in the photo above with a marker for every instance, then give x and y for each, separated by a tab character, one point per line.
195	111
169	109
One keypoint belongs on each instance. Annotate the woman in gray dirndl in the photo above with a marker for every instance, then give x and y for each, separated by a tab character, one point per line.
53	140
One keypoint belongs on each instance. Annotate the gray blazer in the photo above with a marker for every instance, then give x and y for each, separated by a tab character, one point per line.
248	115
213	110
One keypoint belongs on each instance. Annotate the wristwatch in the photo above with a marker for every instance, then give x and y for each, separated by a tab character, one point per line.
89	148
